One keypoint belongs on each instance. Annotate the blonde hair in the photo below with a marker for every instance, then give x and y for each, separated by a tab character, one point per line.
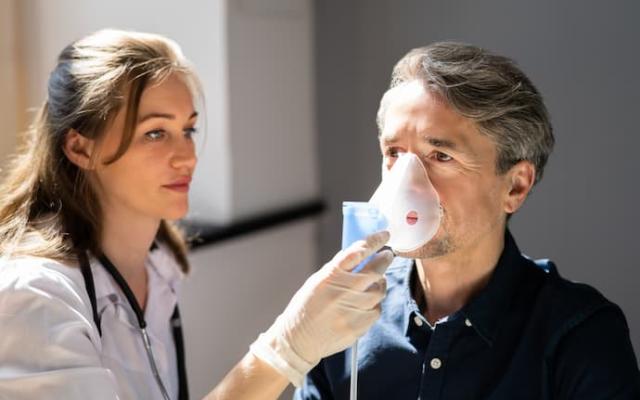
48	207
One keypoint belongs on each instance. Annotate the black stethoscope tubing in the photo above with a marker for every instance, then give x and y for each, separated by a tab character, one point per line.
142	324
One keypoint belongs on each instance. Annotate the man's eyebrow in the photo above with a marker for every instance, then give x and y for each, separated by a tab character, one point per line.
442	143
387	140
162	115
432	140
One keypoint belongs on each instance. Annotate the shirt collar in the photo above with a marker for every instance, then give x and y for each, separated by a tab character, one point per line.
410	307
486	309
490	305
164	263
160	260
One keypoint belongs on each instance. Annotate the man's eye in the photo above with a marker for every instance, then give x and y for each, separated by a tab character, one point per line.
391	153
442	157
154	135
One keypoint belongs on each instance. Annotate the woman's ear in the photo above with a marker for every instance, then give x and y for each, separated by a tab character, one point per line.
521	178
78	149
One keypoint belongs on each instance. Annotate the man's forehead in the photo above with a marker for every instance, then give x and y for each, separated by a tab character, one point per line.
412	110
405	90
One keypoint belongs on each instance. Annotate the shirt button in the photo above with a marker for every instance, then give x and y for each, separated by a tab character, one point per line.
467	322
436	363
417	320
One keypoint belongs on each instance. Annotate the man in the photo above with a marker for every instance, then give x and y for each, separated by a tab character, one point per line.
467	316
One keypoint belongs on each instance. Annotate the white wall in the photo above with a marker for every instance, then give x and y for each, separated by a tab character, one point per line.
235	291
9	100
272	115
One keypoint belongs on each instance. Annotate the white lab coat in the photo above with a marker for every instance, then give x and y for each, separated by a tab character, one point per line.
50	347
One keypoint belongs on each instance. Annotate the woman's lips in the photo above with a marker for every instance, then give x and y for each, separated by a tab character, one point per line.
180	185
183	187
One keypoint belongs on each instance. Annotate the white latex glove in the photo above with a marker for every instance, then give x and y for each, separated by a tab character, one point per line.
329	312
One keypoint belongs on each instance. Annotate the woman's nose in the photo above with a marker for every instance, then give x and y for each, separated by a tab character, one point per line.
184	156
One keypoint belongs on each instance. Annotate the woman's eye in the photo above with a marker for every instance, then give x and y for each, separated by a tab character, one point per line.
442	157
154	135
190	132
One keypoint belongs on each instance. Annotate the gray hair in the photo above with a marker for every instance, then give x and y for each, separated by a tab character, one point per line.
487	88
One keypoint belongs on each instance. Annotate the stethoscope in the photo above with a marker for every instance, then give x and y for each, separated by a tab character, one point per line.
142	324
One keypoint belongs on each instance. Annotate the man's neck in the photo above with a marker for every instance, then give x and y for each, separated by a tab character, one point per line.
449	282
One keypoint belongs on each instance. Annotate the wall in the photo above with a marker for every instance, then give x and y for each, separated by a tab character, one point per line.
235	291
581	55
272	136
9	101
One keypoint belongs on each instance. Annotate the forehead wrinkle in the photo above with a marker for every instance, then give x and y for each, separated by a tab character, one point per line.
413	111
397	128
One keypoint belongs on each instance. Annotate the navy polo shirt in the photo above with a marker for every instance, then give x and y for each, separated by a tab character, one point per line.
529	334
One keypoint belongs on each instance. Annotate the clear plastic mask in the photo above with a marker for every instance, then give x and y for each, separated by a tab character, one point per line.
409	203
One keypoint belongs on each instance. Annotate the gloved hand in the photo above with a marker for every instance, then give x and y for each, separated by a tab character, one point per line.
329	312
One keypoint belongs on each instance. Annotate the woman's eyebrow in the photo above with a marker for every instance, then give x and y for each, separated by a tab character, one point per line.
162	115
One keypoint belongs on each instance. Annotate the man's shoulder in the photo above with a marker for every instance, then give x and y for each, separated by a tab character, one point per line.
587	341
563	298
562	306
560	297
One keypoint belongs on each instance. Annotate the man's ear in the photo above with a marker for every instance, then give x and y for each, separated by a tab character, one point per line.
78	149
520	180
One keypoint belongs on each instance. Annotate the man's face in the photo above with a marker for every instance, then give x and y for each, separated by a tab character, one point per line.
460	162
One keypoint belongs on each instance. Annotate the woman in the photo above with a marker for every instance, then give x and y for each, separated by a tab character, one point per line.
91	264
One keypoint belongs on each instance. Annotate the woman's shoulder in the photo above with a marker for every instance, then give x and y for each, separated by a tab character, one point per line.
46	288
48	333
42	280
28	270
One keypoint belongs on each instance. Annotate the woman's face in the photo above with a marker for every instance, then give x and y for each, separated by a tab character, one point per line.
152	177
